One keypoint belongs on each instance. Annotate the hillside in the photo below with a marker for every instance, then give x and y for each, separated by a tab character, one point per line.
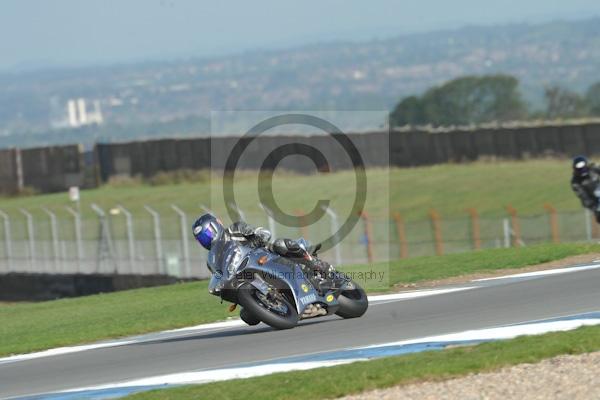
177	97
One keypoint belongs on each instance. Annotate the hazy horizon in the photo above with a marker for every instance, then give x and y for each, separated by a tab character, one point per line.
71	33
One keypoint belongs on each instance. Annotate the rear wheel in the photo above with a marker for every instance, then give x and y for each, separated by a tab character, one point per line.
274	309
249	318
353	303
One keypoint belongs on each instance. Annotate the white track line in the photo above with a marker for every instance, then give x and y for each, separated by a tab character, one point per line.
215	375
388	298
62	350
542	273
488	334
501	332
173	333
132	340
234	323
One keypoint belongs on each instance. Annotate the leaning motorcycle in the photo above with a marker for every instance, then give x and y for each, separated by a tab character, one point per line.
596	208
279	290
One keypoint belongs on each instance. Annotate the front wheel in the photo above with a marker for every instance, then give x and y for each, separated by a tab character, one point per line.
248	318
274	310
353	303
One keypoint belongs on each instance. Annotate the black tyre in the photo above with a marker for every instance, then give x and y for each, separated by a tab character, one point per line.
249	318
279	314
353	303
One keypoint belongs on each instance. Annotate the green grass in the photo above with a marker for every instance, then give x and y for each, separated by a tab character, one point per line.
342	380
450	188
434	268
36	326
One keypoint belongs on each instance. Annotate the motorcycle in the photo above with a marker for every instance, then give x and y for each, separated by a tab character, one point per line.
596	208
279	290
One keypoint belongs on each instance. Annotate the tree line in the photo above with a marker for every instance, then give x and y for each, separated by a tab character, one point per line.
488	98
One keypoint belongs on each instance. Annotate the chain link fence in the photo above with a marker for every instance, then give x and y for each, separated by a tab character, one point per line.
117	241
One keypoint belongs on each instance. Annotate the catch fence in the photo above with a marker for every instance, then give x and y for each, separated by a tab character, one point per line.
118	241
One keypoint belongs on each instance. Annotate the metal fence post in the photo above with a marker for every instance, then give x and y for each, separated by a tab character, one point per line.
269	218
31	237
437	231
475	230
335	227
587	218
157	238
54	234
506	231
516	228
206	209
401	235
184	239
78	237
130	237
303	226
238	211
7	240
105	245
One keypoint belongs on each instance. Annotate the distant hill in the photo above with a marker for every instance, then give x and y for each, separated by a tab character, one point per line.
177	97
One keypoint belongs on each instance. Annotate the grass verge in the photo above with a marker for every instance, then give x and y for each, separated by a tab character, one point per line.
449	188
37	326
324	383
430	268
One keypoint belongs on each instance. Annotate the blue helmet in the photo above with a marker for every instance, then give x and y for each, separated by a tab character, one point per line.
207	229
581	166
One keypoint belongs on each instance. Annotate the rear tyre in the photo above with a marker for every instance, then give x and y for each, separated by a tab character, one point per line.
249	318
353	303
280	314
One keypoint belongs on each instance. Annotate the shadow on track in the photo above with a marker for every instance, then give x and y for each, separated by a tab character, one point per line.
231	333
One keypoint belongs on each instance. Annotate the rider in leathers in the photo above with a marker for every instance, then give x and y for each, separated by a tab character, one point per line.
208	229
585	180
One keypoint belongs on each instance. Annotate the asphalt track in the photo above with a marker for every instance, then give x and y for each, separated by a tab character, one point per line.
487	303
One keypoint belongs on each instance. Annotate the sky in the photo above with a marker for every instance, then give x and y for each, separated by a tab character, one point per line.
39	34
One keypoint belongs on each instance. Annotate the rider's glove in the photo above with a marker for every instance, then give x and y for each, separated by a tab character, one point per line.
262	235
241	228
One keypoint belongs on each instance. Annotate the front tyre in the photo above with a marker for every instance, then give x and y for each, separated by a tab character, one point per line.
353	303
249	318
277	312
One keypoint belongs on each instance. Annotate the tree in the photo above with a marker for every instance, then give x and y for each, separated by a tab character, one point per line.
592	98
563	103
471	99
408	112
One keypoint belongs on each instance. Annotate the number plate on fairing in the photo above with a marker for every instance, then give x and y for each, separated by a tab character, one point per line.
310	298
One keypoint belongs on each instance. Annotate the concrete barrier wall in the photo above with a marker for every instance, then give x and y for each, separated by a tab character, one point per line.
405	148
56	168
44	169
39	287
52	169
151	157
10	182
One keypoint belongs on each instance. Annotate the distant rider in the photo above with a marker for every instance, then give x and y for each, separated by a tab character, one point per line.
585	181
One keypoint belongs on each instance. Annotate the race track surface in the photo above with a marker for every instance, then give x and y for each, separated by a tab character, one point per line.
487	303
